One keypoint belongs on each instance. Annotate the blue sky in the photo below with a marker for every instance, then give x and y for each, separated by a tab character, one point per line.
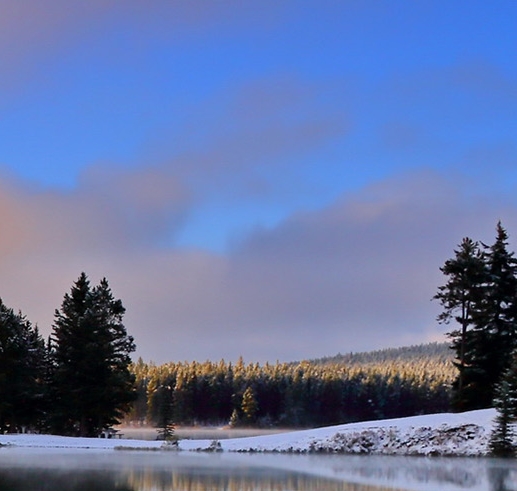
273	179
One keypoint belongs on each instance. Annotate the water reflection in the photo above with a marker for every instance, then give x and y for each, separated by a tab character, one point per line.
53	480
503	477
417	473
241	481
73	470
190	479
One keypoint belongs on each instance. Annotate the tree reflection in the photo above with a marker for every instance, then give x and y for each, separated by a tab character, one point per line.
245	479
63	480
199	479
501	477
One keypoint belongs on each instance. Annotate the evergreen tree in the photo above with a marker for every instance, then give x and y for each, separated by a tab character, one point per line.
249	406
459	297
481	295
494	335
235	419
166	422
502	440
22	370
90	350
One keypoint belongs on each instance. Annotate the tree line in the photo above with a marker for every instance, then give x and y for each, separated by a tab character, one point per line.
303	394
78	382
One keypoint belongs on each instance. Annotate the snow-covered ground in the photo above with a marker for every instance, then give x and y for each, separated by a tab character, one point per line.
463	434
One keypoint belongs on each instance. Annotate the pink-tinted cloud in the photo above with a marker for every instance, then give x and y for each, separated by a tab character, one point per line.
108	209
358	274
49	236
14	218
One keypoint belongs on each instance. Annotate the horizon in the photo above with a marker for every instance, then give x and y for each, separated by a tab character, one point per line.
273	180
289	362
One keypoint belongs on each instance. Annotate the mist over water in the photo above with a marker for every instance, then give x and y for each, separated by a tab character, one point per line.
91	470
197	433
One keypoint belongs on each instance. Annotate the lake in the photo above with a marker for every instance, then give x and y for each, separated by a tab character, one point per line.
91	470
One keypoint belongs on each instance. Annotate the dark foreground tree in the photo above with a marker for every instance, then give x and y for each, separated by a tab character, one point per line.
22	370
502	440
494	334
92	386
481	295
459	297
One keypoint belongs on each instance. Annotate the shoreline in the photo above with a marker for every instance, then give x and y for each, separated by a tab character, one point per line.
447	434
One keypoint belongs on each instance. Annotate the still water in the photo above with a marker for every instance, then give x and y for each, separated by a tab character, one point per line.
91	470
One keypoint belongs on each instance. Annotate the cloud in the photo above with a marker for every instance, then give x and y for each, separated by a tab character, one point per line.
474	91
145	205
31	31
13	217
50	235
355	275
254	141
33	34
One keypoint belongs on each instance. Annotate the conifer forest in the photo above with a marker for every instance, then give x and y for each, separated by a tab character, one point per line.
382	384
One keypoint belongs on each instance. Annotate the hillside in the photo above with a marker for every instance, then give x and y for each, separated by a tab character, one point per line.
431	352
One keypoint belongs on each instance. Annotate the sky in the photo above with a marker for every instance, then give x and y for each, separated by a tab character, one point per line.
277	180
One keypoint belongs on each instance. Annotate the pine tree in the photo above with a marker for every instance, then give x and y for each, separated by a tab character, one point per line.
90	350
503	439
481	295
249	406
166	429
22	369
235	419
494	335
459	297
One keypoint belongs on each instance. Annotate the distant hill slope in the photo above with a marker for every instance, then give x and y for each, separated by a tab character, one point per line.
429	352
389	383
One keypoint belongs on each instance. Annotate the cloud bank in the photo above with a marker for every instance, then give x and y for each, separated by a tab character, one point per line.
355	275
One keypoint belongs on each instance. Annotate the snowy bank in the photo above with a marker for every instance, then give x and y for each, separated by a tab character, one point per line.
463	434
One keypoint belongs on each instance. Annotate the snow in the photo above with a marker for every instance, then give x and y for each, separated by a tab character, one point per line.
459	434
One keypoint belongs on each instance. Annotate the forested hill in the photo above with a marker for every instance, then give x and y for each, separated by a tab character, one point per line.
377	385
440	353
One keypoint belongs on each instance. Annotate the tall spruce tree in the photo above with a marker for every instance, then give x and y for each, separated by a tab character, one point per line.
494	335
503	438
90	350
482	291
22	370
467	273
